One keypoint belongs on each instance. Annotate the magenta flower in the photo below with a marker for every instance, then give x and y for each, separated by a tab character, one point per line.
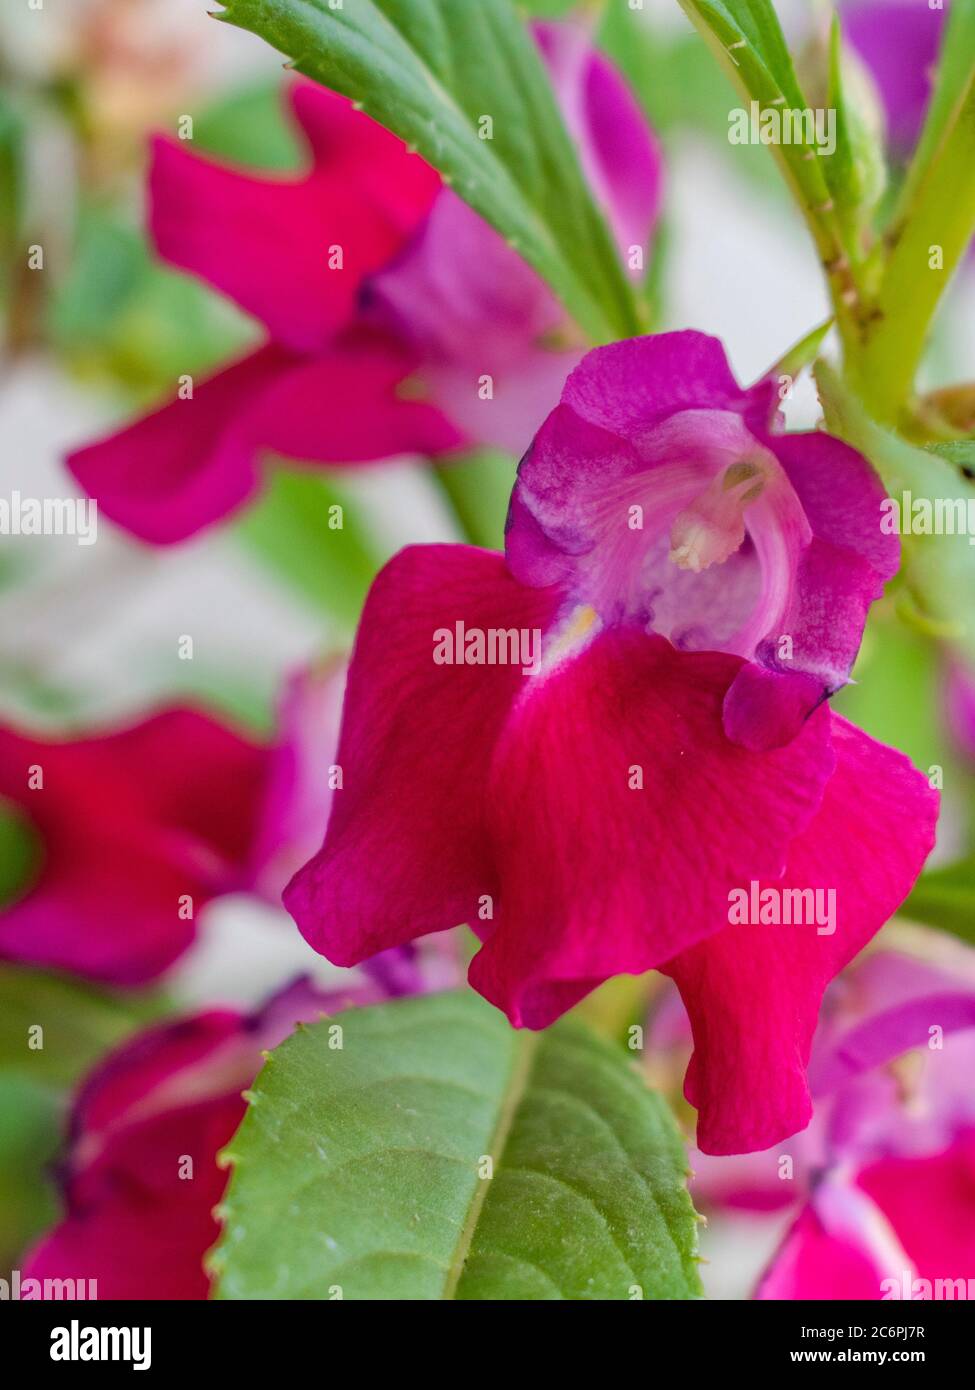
141	1178
664	497
139	829
598	817
386	301
888	1202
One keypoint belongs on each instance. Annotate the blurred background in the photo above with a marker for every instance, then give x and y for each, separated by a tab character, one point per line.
89	635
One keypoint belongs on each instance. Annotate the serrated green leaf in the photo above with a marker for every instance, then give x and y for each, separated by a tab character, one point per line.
430	70
945	898
359	1172
672	75
756	23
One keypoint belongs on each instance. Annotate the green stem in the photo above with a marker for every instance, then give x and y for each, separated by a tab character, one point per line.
930	233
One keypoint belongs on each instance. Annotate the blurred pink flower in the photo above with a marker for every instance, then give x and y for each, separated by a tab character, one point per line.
882	1183
385	300
141	1177
892	1200
588	794
141	827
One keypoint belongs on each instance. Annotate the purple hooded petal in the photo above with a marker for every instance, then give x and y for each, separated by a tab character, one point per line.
840	574
629	387
909	998
471	309
659	493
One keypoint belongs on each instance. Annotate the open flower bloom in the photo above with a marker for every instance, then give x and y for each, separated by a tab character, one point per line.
385	300
592	751
887	1204
141	1177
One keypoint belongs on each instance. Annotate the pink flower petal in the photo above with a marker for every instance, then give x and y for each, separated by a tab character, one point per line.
598	878
619	153
406	851
267	241
816	1263
133	824
930	1202
753	992
191	462
187	464
663	495
298	799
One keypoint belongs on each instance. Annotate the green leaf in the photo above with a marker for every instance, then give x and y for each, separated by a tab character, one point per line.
945	898
121	316
553	9
31	1124
755	22
430	70
358	1172
20	852
249	126
80	1024
293	530
956	63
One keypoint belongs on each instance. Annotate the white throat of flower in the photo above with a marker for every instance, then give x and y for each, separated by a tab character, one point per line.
713	527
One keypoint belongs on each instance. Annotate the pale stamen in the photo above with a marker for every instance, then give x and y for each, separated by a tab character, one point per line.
712	528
